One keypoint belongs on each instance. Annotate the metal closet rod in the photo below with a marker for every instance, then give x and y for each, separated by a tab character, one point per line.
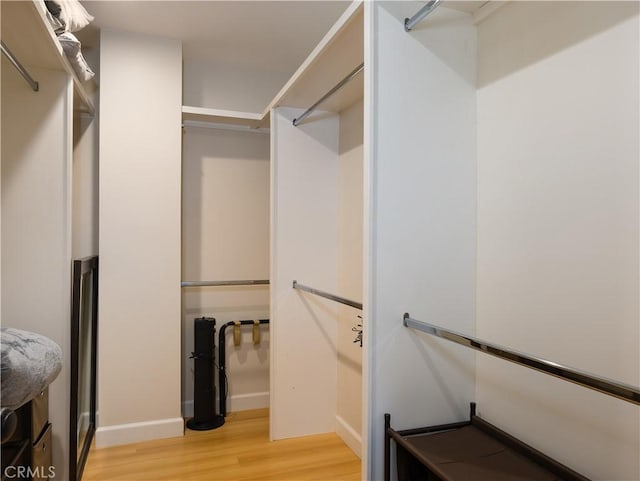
14	61
223	283
616	389
409	23
326	295
338	86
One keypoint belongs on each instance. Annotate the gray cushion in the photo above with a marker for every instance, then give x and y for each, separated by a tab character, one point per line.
29	363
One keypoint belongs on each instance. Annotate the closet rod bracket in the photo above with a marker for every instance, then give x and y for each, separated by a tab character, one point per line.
409	23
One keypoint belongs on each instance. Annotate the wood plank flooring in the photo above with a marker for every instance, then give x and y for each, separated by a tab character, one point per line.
238	451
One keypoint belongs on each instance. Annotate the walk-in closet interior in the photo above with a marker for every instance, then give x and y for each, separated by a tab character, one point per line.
316	240
225	237
424	172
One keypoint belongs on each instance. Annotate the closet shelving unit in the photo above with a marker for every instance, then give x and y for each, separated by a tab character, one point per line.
337	54
316	172
459	226
28	35
223	119
44	159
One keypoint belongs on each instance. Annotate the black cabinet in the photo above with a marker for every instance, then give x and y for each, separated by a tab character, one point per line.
27	454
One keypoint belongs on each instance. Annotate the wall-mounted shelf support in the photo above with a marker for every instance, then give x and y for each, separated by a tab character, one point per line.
409	23
338	86
14	61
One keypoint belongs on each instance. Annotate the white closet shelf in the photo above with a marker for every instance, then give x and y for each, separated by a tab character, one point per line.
338	53
219	116
27	33
478	9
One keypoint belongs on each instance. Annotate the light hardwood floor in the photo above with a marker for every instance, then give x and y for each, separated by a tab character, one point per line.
239	451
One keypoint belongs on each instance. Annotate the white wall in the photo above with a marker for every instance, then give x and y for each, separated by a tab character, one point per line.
558	151
225	236
85	187
304	235
349	388
36	224
230	87
85	172
420	228
139	306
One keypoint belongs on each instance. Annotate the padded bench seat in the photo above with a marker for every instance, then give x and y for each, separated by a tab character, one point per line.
469	451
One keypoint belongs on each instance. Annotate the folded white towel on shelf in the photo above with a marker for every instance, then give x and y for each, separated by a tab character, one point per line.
73	14
73	50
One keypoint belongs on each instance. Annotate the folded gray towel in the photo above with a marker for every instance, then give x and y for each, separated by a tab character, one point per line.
29	363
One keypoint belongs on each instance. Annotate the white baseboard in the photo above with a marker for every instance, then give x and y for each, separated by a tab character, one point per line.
244	402
240	402
83	421
136	432
349	435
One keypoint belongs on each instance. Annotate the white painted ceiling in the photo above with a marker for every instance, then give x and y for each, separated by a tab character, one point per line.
262	34
252	34
270	38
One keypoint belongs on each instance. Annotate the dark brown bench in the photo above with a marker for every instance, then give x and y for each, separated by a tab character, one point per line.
473	450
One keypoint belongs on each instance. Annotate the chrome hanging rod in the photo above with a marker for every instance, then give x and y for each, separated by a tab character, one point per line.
14	61
223	283
338	86
616	389
409	23
198	124
326	295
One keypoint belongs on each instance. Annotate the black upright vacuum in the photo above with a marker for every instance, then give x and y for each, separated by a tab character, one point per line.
204	390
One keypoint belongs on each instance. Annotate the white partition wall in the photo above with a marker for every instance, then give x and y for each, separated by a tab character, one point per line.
420	234
85	187
36	223
304	243
558	232
349	388
139	305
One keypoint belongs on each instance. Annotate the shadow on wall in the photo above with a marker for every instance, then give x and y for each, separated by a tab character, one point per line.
504	47
313	305
560	26
42	105
432	352
432	37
